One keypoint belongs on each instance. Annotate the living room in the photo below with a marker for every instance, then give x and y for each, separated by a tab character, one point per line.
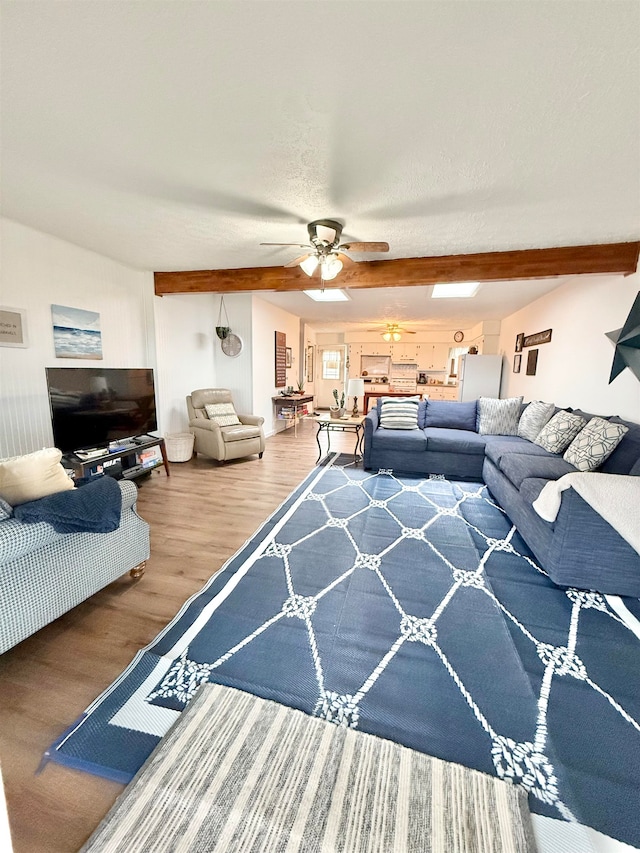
478	128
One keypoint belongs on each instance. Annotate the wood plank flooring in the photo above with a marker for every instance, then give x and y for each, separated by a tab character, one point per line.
199	517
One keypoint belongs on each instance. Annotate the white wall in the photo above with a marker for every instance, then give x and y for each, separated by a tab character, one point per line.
267	320
573	369
186	341
236	372
38	271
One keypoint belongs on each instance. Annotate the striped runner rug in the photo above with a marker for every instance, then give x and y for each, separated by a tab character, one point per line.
240	773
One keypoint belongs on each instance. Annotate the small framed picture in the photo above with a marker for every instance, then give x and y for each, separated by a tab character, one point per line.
13	327
532	362
288	357
519	342
517	361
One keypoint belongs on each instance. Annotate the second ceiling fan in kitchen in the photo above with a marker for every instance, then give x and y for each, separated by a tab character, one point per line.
392	331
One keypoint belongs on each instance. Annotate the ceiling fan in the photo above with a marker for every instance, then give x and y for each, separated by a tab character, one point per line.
326	256
392	331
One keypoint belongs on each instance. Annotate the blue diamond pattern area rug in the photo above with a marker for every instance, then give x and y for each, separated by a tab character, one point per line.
408	608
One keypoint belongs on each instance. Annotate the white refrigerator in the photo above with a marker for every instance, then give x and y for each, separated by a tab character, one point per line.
479	376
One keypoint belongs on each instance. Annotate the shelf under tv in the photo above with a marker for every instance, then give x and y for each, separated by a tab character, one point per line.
131	465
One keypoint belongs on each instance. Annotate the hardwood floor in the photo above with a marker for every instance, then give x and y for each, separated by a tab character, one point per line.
199	517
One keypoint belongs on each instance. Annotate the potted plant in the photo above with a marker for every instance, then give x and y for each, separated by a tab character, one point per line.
301	387
337	411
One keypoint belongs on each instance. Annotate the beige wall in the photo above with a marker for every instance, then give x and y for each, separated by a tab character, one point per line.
573	370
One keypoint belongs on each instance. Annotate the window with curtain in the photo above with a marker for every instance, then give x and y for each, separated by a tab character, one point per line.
331	364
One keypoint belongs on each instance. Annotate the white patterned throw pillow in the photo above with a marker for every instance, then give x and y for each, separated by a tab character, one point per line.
534	417
499	417
556	435
222	413
595	443
399	412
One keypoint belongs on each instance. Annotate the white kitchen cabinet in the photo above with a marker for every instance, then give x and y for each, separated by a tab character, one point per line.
441	392
406	352
433	357
382	348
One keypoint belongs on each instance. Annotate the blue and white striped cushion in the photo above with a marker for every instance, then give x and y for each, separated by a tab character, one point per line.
399	412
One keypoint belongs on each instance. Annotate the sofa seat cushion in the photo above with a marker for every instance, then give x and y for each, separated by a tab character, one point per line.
498	445
450	414
530	489
239	432
518	467
400	439
444	440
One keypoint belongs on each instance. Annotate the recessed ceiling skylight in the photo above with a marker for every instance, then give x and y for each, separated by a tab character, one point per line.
455	290
328	295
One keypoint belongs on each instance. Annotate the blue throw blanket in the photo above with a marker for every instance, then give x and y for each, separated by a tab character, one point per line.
95	508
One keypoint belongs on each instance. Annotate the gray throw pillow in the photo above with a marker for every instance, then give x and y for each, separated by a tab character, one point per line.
556	435
595	443
534	417
399	412
499	417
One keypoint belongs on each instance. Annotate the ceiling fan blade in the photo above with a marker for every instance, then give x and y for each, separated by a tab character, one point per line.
405	331
301	245
365	247
346	260
297	261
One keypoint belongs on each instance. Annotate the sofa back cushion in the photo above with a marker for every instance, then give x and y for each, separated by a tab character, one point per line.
399	412
450	414
626	456
534	417
33	476
499	417
558	434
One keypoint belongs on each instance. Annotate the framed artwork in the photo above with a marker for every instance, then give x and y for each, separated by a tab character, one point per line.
537	339
517	361
288	357
519	342
309	364
13	327
281	358
76	332
532	362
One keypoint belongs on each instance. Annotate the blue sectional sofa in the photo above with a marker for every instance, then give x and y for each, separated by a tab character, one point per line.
578	549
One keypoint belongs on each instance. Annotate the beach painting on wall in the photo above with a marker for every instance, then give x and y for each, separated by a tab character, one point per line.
76	333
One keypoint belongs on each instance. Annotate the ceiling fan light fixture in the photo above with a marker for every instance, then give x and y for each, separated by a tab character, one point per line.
396	336
309	265
331	266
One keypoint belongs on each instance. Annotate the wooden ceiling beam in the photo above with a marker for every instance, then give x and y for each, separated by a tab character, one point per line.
406	272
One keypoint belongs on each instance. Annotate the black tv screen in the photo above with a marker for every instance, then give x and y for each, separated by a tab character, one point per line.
91	406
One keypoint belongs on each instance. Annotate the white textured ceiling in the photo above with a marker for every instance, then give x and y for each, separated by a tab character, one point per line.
179	135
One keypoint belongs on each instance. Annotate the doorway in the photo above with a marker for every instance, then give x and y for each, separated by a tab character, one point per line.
331	368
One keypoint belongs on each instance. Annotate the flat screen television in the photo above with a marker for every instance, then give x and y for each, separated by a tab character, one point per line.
91	406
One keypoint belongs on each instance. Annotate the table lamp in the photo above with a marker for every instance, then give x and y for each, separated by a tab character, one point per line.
355	389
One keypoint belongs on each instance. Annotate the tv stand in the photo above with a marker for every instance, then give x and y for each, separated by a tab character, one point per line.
133	459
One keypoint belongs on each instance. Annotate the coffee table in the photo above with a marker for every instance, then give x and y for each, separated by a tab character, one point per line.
347	424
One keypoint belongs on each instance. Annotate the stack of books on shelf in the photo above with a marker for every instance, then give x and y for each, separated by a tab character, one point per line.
149	458
293	411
